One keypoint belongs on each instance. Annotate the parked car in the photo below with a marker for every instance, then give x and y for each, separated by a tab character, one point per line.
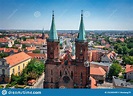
31	82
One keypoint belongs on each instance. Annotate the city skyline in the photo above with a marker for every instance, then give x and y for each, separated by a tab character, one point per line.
98	14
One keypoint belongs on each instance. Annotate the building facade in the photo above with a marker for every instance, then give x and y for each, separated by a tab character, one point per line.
13	64
129	72
67	73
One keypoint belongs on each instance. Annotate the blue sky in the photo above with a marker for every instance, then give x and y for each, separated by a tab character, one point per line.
36	14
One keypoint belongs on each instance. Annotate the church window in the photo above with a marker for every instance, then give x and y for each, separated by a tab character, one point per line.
60	74
81	76
51	80
65	73
51	72
81	50
71	74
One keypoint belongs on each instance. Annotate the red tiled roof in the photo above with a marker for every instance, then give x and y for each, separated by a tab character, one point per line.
8	50
97	71
30	48
93	82
2	49
129	68
17	58
37	55
33	41
3	40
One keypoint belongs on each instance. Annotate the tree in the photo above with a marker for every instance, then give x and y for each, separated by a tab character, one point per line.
115	61
32	71
32	75
2	55
125	50
131	52
15	79
24	38
36	51
130	45
128	60
23	46
16	42
115	69
116	46
120	50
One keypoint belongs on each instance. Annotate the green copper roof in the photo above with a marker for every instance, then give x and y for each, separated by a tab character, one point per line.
81	35
53	33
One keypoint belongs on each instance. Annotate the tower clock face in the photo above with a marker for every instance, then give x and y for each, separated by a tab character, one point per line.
66	79
86	64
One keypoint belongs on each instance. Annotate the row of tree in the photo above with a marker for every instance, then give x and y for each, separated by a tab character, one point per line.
3	54
32	71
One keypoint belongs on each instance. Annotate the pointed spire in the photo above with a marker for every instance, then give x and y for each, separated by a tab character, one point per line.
81	35
43	30
53	33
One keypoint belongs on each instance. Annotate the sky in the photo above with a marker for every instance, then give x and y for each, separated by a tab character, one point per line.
37	14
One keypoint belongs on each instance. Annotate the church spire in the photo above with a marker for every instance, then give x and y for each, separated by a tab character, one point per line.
43	30
53	33
81	35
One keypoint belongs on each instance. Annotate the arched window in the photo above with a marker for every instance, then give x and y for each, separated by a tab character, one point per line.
51	80
65	73
51	72
81	76
60	73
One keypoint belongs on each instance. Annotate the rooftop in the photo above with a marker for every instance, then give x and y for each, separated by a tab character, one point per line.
93	82
101	63
16	58
97	71
129	68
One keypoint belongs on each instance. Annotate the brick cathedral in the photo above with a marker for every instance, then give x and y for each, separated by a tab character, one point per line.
67	72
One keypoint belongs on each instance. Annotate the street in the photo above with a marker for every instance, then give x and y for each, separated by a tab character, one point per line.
39	83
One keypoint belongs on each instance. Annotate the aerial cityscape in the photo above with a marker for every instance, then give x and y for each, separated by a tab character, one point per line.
68	46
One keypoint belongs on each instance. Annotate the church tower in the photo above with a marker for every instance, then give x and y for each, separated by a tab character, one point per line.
51	77
82	69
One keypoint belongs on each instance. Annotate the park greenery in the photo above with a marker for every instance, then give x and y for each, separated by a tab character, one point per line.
36	51
3	54
115	69
124	50
32	71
